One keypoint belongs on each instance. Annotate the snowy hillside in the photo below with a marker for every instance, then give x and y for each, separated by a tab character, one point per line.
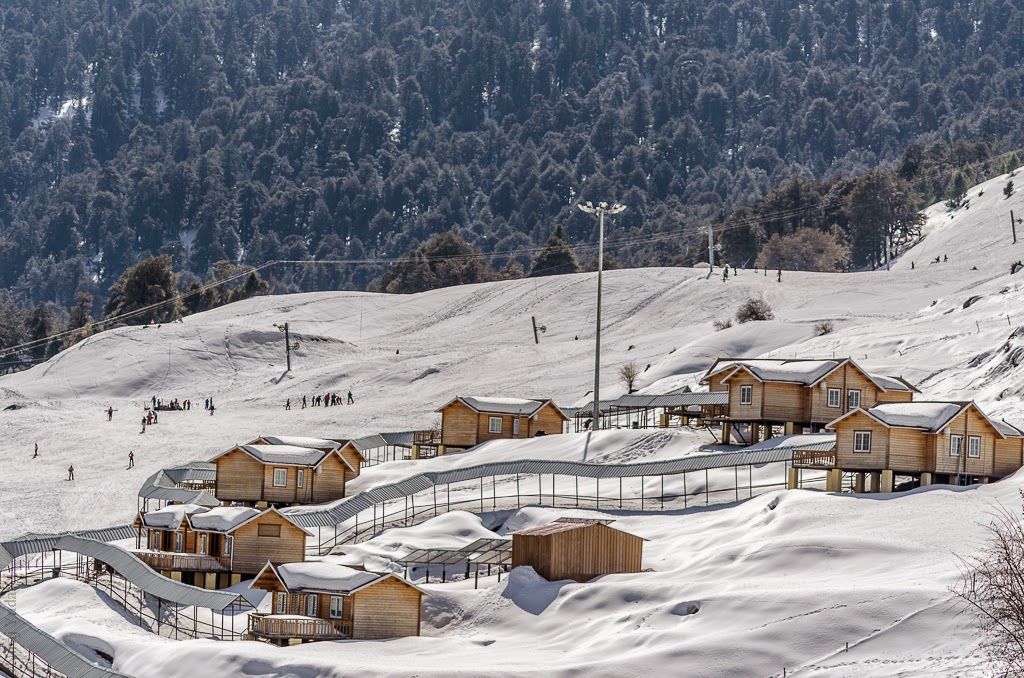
782	580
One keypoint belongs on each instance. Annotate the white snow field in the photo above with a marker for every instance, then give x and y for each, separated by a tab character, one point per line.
783	580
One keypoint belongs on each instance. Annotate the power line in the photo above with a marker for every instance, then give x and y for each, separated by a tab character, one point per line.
625	241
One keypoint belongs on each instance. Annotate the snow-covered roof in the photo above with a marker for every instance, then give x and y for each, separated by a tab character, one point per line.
170	517
288	455
890	383
798	441
325	577
561	525
302	441
1007	429
797	371
928	416
222	518
519	406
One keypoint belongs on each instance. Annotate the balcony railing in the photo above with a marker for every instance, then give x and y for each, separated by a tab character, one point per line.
426	437
814	459
286	626
188	562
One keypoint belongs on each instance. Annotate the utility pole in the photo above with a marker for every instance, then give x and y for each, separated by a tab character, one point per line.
1013	227
711	249
287	345
536	338
600	210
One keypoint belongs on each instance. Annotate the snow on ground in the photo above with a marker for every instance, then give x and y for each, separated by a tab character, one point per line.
781	580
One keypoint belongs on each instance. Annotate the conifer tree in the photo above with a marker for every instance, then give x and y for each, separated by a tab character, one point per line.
557	257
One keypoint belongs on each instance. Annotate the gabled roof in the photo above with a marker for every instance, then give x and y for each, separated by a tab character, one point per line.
308	442
169	517
228	519
522	407
923	415
803	371
286	455
566	525
321	577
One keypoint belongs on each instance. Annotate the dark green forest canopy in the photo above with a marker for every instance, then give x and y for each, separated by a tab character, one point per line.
250	130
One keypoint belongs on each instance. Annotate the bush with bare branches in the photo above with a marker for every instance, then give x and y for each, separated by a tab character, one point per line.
824	327
754	309
628	374
992	585
720	325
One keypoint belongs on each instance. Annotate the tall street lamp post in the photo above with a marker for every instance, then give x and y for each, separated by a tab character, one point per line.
601	209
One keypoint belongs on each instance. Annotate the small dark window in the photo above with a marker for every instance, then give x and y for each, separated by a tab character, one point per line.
268	530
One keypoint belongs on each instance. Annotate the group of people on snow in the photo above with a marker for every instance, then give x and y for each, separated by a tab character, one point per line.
322	400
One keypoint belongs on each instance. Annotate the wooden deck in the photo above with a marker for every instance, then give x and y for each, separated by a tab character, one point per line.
183	562
286	627
814	459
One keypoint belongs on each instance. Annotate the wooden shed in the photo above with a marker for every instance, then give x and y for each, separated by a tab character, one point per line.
467	421
325	601
577	548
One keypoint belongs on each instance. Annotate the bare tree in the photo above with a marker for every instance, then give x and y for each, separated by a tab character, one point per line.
628	374
992	585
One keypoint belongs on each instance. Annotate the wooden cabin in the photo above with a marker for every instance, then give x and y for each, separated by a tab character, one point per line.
467	421
797	395
577	548
929	441
352	456
218	547
281	475
324	601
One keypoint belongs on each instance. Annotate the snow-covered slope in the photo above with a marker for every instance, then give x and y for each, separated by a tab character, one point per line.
778	581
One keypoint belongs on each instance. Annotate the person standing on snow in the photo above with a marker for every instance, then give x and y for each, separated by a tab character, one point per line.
288	404
131	458
71	472
110	412
36	453
143	425
350	400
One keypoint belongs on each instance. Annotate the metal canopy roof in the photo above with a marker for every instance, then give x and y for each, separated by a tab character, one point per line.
485	546
164	485
498	553
39	543
53	652
343	509
137	572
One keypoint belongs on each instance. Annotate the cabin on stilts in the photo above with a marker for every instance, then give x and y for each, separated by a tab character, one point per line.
577	548
216	548
924	442
798	396
325	601
467	421
351	454
282	475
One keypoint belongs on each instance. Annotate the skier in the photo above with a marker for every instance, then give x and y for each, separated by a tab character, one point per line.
71	472
350	400
36	453
288	404
110	412
131	458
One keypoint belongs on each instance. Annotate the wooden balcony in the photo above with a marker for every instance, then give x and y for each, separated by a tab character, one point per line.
184	562
426	437
814	459
264	626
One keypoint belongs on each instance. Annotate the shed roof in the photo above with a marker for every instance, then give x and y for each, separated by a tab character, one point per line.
565	525
289	455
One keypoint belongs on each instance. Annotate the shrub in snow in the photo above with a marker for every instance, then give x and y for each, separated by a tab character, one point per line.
754	309
824	327
720	325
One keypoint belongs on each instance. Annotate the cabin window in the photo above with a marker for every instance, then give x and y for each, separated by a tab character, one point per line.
281	603
268	530
852	399
862	441
280	477
300	478
974	446
202	544
515	426
311	601
834	396
956	445
179	542
746	394
228	541
336	606
494	425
